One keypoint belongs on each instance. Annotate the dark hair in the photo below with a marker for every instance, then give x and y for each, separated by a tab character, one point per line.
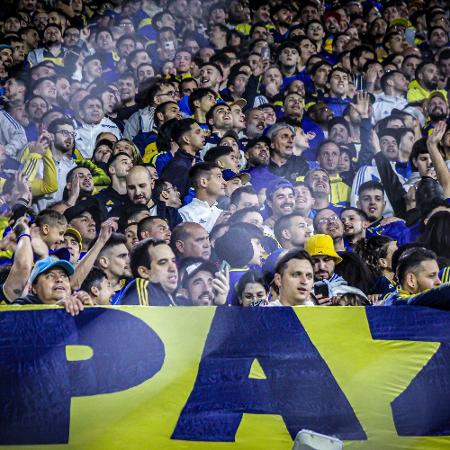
251	276
282	224
411	259
238	216
236	195
436	235
93	279
358	211
199	170
355	271
419	148
292	254
144	224
371	250
183	127
113	241
54	124
140	255
372	184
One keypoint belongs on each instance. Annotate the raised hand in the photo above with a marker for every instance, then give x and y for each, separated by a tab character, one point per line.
437	134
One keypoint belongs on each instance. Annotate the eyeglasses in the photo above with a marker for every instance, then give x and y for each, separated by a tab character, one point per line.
66	133
327	220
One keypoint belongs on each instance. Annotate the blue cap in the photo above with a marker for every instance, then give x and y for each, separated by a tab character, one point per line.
228	174
46	264
277	184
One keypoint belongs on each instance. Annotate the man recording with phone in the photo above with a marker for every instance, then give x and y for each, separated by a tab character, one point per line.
329	287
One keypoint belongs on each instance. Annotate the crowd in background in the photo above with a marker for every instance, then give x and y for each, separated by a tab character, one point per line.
248	153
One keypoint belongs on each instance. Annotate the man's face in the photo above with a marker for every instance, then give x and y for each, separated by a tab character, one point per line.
46	89
140	58
323	267
127	89
230	161
282	202
426	276
289	57
200	288
122	165
145	72
65	138
86	179
339	84
255	123
444	65
259	154
294	105
139	187
429	76
71	36
284	17
92	112
196	137
163	267
299	230
296	282
409	67
319	182
222	117
329	157
18	51
14	91
339	134
327	222
247	200
85	225
209	77
119	261
304	201
197	243
105	41
126	47
73	246
238	117
52	286
183	62
52	35
131	235
320	77
389	147
93	68
396	43
438	38
437	108
207	102
425	165
400	83
170	195
372	203
283	142
354	224
160	230
63	89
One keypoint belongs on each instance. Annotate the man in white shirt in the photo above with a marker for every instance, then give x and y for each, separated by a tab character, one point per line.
93	123
209	184
395	87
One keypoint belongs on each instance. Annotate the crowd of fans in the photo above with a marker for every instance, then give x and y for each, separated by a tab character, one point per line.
248	153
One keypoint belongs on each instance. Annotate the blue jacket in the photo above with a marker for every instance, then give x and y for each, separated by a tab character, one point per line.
438	298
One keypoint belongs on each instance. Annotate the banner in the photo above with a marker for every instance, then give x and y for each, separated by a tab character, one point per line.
136	378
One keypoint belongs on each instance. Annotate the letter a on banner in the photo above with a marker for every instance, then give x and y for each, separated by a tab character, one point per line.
294	382
37	380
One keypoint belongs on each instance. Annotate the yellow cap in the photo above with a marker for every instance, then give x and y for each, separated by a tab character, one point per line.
76	234
321	244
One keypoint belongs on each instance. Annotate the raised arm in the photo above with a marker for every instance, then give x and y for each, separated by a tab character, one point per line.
439	164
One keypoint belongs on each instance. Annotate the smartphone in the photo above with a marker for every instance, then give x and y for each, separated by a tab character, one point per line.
321	289
224	267
265	53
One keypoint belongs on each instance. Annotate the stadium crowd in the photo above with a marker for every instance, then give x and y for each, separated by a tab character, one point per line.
248	153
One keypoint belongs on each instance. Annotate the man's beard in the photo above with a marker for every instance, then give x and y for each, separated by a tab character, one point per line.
437	116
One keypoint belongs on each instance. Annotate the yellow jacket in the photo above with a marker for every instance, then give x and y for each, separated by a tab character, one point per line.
31	161
417	93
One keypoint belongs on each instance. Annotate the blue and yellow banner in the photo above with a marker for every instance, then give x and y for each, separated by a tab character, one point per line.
139	378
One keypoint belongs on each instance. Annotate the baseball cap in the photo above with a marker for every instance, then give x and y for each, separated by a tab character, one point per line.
76	234
275	128
196	267
48	263
228	174
277	184
252	142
